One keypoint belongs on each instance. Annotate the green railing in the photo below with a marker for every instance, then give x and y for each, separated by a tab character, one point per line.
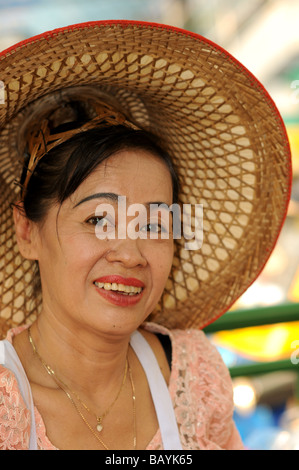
257	317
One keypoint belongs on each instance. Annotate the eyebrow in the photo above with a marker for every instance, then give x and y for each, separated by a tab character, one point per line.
111	196
114	198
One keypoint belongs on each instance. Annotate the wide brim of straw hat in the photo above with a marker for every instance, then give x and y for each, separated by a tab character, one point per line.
216	120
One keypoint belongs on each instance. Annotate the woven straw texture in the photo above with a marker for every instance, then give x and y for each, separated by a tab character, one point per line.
216	120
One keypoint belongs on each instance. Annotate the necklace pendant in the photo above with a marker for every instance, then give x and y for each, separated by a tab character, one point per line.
99	425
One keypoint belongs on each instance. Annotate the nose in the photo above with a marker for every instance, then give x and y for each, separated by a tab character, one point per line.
127	252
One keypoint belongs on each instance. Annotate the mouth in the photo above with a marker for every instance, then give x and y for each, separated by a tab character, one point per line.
120	291
120	288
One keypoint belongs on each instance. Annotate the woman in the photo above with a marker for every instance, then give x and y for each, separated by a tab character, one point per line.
89	370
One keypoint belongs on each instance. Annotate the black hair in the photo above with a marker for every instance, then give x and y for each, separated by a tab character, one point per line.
61	171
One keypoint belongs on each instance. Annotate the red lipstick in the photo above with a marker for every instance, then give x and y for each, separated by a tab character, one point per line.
116	297
126	281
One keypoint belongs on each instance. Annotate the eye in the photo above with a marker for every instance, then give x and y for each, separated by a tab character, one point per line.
99	221
95	220
153	228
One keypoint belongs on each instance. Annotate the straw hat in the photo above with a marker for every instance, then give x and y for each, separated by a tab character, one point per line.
215	119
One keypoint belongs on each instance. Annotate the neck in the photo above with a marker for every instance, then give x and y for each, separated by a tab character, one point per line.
86	360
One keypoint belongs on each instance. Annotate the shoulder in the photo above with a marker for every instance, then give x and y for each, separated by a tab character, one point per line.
194	353
158	350
197	367
191	347
14	416
203	352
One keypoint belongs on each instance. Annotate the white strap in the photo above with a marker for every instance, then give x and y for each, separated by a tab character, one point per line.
160	393
10	359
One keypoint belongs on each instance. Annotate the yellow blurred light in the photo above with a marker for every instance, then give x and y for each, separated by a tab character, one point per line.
268	342
293	135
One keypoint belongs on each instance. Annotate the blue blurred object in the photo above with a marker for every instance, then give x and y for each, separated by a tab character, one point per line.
251	424
260	429
262	439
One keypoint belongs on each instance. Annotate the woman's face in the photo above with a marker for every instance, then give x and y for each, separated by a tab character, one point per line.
93	273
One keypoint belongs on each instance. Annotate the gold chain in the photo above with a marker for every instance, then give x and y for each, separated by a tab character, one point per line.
52	373
98	418
68	392
83	418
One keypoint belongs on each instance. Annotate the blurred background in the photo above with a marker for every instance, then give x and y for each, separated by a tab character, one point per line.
259	337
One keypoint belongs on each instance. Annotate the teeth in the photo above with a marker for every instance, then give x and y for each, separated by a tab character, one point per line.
128	290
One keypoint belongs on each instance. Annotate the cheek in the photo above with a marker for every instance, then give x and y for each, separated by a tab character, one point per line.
80	255
161	262
70	257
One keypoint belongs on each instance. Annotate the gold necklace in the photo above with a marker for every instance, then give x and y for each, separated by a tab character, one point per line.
68	392
99	419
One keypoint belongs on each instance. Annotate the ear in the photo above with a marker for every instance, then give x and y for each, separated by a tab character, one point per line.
25	232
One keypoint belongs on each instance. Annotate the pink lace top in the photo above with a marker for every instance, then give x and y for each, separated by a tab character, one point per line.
200	388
